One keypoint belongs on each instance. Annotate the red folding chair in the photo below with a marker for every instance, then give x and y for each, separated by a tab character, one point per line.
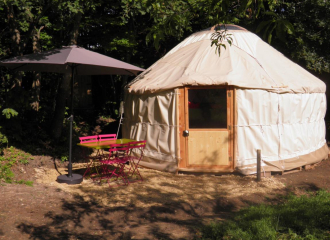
114	166
134	158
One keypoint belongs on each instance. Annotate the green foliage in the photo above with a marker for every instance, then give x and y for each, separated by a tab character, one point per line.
175	18
305	217
282	27
218	38
6	173
64	158
3	140
312	33
9	113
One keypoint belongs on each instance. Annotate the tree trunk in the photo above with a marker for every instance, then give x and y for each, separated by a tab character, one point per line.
37	75
14	32
15	43
75	29
61	103
64	90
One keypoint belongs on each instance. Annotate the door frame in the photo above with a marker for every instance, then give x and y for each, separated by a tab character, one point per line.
183	164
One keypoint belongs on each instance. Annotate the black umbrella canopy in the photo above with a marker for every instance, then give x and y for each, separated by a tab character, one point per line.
62	60
75	60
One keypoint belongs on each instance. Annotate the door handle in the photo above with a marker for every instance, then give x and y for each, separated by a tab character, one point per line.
186	133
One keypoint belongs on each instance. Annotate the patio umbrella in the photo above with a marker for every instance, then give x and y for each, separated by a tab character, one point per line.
77	61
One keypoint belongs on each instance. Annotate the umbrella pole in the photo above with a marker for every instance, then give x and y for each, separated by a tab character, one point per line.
71	123
70	178
70	148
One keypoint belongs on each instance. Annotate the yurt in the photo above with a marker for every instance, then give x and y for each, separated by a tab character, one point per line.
201	112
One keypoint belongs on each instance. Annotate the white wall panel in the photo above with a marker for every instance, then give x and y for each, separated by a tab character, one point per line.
251	138
152	117
283	126
256	107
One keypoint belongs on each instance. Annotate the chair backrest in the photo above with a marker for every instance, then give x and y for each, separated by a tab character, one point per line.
122	149
88	139
138	144
119	147
105	137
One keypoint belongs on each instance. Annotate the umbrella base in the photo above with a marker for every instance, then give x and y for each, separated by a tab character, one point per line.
75	179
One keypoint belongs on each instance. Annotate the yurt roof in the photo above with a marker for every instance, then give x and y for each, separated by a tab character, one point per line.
248	63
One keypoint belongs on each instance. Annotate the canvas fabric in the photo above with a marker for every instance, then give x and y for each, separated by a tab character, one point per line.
248	63
62	60
282	126
152	117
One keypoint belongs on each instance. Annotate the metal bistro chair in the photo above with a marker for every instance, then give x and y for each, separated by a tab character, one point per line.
114	166
134	158
103	138
91	163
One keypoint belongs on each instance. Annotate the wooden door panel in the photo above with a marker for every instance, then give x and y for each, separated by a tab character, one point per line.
208	148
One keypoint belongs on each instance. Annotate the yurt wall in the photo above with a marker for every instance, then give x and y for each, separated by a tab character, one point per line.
289	130
152	117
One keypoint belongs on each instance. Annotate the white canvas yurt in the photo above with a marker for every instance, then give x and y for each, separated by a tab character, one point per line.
202	112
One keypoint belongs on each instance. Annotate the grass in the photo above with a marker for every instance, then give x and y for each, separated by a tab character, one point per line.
28	183
304	217
13	157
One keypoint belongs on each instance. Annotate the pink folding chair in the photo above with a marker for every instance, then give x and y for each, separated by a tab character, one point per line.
113	167
92	160
134	158
105	137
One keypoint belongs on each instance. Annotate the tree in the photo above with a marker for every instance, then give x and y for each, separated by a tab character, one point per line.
308	39
312	33
20	19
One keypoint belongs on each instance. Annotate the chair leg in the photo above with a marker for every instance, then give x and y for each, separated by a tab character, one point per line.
136	170
88	169
89	164
114	171
133	168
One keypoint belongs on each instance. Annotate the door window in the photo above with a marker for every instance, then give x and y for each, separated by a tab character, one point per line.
207	108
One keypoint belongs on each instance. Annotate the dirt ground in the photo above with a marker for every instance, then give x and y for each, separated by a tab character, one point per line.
163	206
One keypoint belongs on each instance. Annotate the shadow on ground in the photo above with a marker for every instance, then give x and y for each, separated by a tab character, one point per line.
80	219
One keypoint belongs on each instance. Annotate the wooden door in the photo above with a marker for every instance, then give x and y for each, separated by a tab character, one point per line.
208	131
